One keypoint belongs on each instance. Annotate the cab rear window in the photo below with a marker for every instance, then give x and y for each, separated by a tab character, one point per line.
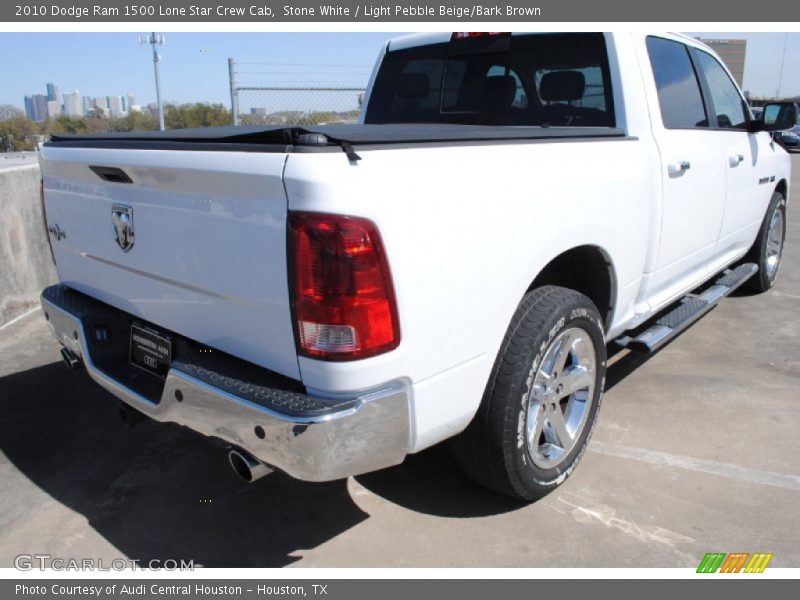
543	79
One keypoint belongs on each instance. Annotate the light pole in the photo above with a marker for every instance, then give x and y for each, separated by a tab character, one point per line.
783	60
156	39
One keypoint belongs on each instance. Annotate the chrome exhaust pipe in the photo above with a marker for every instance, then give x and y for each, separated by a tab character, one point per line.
247	466
72	360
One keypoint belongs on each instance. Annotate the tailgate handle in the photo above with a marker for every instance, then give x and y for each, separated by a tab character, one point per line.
112	174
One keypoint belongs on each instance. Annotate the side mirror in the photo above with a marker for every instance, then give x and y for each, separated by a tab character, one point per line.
777	116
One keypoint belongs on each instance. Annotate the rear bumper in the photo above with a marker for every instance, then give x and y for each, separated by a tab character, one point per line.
313	440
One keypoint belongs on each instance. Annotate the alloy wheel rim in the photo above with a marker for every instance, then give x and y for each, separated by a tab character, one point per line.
774	243
560	398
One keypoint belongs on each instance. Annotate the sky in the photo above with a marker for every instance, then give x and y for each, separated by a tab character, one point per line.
194	66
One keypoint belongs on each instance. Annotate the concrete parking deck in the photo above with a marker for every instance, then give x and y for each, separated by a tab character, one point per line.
18	159
696	450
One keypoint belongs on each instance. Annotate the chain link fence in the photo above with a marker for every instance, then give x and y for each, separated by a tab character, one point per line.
296	94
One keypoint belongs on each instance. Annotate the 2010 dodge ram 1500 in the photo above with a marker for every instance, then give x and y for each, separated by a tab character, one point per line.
327	300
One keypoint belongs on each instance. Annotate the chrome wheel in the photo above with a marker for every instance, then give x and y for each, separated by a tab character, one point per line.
774	243
560	397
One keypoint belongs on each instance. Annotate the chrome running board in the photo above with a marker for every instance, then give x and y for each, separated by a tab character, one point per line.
689	309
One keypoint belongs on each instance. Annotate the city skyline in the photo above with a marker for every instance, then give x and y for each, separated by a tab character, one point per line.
53	104
194	66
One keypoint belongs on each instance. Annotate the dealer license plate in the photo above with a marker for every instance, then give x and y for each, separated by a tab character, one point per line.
150	351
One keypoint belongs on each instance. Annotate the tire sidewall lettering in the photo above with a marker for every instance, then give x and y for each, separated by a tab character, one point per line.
587	320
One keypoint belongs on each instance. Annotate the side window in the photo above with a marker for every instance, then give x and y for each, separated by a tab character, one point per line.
678	89
729	105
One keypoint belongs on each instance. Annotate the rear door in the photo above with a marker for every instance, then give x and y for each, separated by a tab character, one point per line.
693	173
192	241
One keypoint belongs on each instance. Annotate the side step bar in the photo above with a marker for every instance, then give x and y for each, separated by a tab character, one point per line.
688	311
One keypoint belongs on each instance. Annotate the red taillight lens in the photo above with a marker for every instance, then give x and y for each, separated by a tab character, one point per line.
342	294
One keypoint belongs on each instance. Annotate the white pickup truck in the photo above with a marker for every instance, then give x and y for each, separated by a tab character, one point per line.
326	300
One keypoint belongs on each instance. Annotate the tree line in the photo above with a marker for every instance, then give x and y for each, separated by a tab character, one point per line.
19	133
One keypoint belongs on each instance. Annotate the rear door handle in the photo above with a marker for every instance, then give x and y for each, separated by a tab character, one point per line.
678	168
735	160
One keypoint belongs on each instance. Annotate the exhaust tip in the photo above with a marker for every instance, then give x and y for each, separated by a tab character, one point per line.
246	466
72	360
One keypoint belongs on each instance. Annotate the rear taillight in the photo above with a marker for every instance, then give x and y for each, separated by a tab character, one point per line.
342	295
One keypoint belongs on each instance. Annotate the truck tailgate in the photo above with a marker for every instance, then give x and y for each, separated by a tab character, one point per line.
207	258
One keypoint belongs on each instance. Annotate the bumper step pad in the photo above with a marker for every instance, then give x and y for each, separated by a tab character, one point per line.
243	381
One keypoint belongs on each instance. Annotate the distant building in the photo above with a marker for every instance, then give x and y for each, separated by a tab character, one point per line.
36	107
115	106
53	95
53	109
29	107
130	101
88	104
73	104
732	53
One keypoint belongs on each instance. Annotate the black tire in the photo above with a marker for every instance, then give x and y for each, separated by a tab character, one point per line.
765	278
492	450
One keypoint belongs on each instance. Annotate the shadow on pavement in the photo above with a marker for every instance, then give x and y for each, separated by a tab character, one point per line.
158	491
432	483
622	362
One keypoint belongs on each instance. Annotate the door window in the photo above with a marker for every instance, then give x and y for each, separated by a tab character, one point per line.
679	92
729	105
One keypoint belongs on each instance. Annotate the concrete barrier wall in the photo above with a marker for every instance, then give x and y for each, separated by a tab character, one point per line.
26	266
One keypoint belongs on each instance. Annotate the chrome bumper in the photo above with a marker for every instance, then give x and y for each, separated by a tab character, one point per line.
369	434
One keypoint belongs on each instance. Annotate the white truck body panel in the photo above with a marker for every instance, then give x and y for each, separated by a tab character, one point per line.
461	261
209	259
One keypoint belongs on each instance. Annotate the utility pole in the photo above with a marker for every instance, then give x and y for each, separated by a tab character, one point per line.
234	92
783	60
156	39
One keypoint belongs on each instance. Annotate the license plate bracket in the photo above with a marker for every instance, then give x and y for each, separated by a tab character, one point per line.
150	350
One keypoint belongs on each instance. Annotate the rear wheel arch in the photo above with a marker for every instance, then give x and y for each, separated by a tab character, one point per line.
587	269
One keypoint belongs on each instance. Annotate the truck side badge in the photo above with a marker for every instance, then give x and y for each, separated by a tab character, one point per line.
122	219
